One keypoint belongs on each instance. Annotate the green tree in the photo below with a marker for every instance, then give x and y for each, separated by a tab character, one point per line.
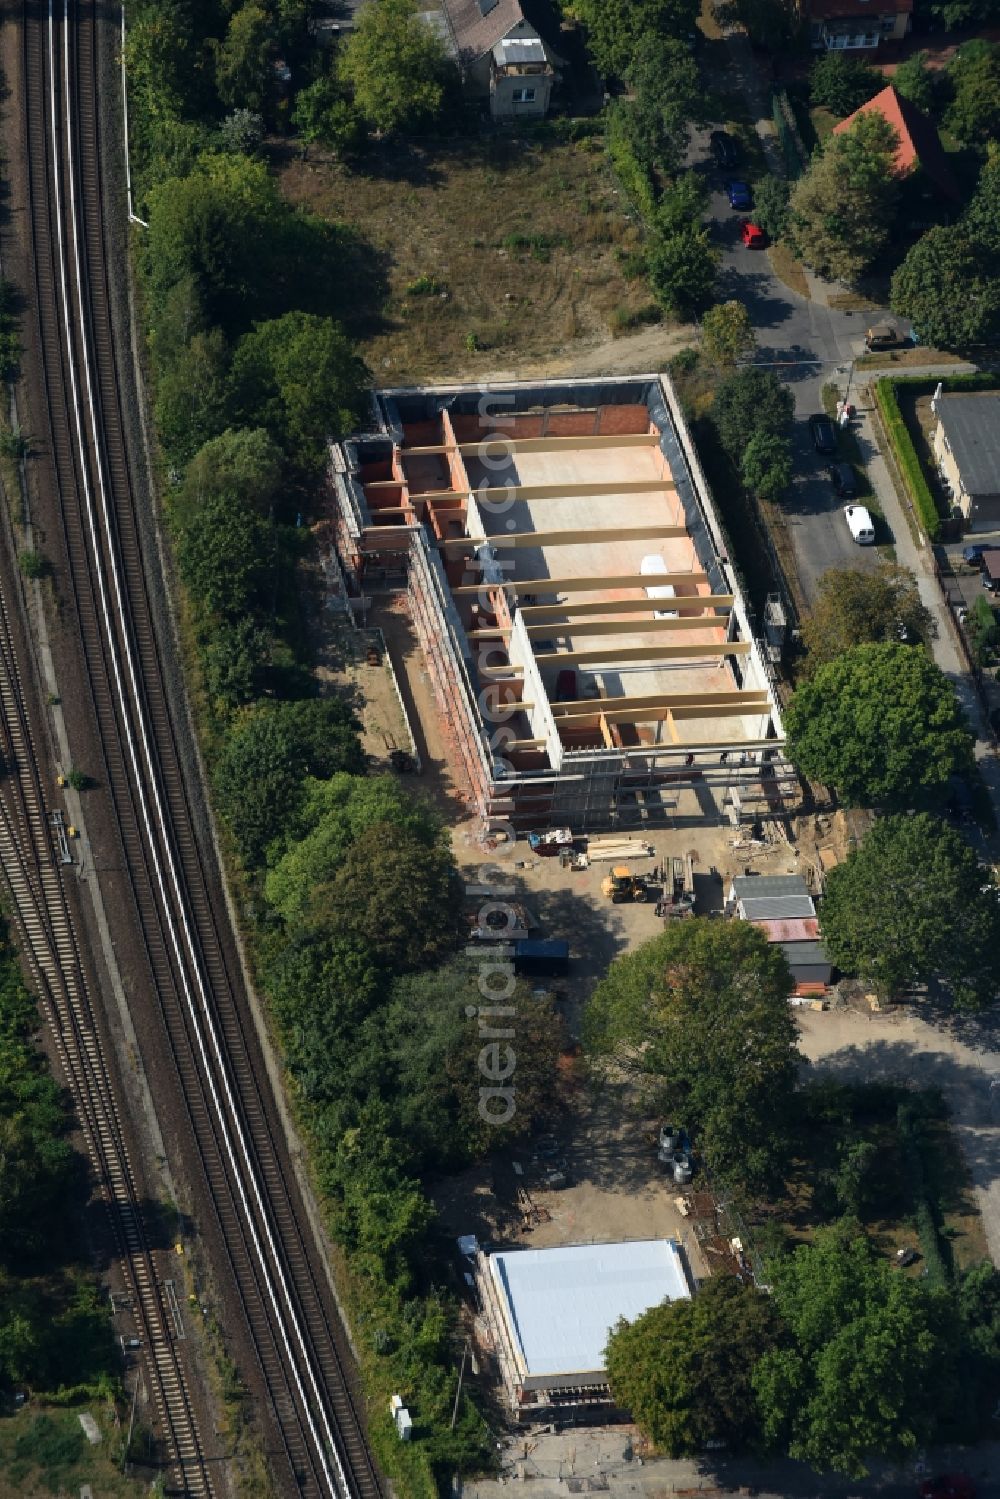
863	608
914	80
261	770
981	219
226	538
843	208
333	814
727	334
974	113
242	131
682	268
749	403
770	205
948	287
396	893
396	67
843	83
912	904
685	1369
301	378
667	96
192	396
619	30
766	468
701	1013
871	1365
882	724
241	60
235	659
324	113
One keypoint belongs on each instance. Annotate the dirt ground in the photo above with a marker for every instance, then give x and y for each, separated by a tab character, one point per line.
479	251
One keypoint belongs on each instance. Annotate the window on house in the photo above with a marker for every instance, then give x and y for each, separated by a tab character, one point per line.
888	23
523	96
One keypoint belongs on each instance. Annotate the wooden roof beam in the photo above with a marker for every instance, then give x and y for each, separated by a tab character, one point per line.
532	613
631	626
636	654
531	492
536	586
496	440
538	539
732	699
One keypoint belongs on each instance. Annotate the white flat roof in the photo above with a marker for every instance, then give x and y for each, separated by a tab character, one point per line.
561	1303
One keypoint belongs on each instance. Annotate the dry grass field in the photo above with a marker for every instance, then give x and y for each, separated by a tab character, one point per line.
498	250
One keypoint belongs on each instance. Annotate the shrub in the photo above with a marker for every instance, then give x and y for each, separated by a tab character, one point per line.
842	83
907	460
33	564
424	286
624	319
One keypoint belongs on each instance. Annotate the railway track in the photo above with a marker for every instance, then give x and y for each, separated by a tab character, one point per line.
51	947
303	1362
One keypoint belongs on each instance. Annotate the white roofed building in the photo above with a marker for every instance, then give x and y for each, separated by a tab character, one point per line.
548	1313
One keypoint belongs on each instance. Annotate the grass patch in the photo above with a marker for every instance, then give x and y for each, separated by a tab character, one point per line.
903	358
852	301
822	121
43	1451
565	262
788	269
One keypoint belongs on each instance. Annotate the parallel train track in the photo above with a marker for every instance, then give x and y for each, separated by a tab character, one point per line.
51	947
300	1346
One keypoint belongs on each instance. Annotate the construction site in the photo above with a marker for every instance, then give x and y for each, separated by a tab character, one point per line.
569	583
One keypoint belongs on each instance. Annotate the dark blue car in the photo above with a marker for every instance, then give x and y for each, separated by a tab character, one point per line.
739	195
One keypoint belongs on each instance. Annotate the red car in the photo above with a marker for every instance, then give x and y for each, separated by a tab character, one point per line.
752	235
948	1486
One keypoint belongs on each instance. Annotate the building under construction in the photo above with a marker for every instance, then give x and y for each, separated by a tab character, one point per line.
569	583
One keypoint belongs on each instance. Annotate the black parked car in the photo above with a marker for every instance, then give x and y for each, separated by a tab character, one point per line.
823	434
724	149
843	479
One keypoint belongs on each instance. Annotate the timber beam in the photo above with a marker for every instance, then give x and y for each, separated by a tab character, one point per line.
635	654
733	700
536	539
535	586
555	613
612	626
492	493
554	444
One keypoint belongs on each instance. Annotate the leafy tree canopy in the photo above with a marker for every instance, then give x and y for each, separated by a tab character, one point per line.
843	83
396	67
702	1014
863	608
300	376
770	24
261	770
667	96
883	725
682	269
242	58
871	1367
748	403
914	80
974	112
727	334
770	205
842	209
767	465
912	903
685	1369
335	811
948	287
619	30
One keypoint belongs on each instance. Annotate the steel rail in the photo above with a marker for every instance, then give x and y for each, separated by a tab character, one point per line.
147	781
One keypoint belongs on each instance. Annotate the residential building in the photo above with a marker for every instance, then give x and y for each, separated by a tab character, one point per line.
583	629
855	25
547	1313
967	450
502	56
919	153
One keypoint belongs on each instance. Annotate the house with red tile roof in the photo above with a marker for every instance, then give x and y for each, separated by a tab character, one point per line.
855	25
919	149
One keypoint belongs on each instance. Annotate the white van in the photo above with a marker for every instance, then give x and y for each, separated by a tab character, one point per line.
654	566
860	524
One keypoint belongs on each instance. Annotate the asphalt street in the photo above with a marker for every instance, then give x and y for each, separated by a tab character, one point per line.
810	345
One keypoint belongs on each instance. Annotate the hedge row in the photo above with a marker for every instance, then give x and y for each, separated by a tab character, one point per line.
906	457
